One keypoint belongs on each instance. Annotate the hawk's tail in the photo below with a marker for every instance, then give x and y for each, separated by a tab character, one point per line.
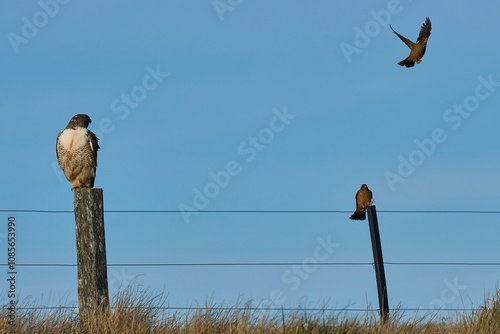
358	215
406	63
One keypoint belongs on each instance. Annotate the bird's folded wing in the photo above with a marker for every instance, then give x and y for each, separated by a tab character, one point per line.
94	146
57	145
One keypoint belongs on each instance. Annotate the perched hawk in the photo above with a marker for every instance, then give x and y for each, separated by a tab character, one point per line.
76	150
363	200
417	49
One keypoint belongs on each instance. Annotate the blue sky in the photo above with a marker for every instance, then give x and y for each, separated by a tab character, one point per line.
264	95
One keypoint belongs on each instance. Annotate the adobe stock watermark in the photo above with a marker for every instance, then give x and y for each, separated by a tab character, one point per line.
453	118
363	37
12	274
293	278
118	279
248	150
31	26
122	107
448	295
223	6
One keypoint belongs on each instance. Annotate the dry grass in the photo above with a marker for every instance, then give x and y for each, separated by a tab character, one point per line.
137	311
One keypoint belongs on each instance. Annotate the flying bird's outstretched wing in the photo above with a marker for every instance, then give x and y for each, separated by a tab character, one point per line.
425	31
410	44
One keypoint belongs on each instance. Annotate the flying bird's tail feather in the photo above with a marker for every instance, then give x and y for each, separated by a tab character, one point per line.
406	63
358	215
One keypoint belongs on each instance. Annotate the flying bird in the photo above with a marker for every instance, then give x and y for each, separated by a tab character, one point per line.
417	49
363	200
76	150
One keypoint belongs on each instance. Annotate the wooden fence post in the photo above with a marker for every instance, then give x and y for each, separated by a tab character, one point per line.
379	263
90	249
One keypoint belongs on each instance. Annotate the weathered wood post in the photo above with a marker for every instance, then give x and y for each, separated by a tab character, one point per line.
378	260
90	249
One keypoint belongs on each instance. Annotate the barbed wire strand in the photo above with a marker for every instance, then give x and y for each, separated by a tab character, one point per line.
256	211
260	309
249	264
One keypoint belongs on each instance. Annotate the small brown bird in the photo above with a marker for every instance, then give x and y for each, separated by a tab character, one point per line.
76	150
417	49
363	200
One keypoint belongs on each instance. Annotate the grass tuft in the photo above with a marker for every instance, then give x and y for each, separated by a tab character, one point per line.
138	311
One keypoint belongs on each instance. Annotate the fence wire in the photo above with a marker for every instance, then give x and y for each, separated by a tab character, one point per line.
255	211
273	309
269	264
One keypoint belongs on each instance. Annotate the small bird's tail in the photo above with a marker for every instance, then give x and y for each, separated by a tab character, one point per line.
406	63
358	215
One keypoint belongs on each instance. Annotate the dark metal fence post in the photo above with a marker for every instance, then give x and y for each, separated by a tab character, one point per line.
90	249
379	263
